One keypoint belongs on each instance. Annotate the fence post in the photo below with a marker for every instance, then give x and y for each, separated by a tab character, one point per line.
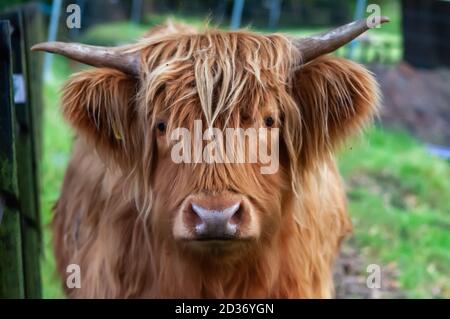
236	15
34	33
26	154
11	265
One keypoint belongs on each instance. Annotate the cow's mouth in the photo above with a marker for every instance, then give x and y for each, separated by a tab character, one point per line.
217	241
215	238
212	239
218	246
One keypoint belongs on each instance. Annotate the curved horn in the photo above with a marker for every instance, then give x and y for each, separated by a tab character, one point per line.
110	57
323	43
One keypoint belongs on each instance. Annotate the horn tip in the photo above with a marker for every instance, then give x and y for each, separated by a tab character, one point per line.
43	46
36	47
385	19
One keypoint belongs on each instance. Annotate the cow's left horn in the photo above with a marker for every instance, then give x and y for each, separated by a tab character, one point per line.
110	57
323	43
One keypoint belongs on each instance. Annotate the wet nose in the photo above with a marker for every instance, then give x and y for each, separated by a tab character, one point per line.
216	223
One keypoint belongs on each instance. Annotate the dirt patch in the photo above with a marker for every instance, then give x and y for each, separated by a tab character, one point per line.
350	276
417	100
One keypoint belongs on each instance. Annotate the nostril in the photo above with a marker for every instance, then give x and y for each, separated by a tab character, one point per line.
237	216
193	218
200	211
229	212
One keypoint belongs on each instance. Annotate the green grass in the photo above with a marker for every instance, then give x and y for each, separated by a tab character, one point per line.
399	203
118	33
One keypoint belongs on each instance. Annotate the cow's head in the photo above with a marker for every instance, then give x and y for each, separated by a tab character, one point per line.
131	105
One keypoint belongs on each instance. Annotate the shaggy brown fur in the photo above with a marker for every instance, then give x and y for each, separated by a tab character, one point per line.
122	191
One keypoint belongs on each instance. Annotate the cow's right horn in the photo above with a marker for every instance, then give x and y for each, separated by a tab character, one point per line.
327	42
110	57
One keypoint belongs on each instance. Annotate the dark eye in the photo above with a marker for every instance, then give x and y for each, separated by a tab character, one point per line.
269	121
161	126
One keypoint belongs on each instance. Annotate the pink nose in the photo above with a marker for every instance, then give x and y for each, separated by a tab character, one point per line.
218	223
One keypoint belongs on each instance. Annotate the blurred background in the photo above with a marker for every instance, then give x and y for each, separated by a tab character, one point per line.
397	175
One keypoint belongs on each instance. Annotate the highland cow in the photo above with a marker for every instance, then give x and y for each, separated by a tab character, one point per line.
141	225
